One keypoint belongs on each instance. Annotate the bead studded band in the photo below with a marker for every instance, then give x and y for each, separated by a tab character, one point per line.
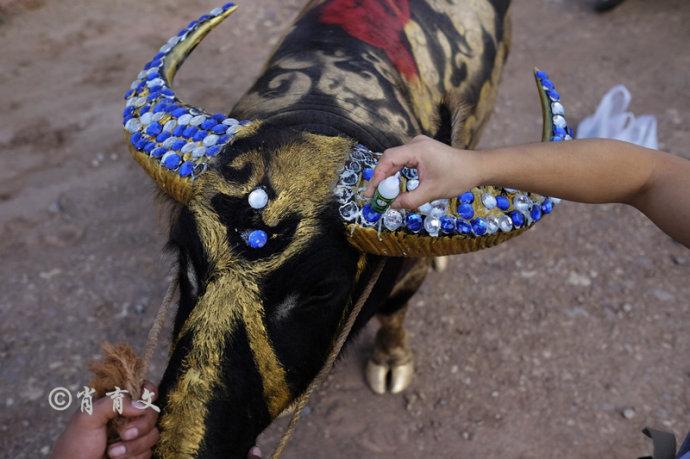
180	138
479	213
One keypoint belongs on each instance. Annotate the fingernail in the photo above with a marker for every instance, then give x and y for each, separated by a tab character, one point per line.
139	404
255	451
118	450
130	434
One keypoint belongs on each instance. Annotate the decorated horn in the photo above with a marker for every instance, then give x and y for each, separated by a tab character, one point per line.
482	217
174	142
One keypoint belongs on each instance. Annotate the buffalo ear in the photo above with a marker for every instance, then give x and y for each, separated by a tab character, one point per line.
483	223
175	142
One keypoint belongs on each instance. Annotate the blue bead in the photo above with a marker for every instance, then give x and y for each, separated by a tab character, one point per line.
186	169
570	132
155	63
172	161
148	148
141	143
159	55
205	17
502	202
257	239
182	32
367	173
178	130
219	117
192	24
244	122
466	211
151	76
144	109
129	93
369	214
147	66
135	138
170	108
153	93
212	150
558	131
535	213
199	136
463	227
479	226
553	95
547	84
219	129
414	222
228	5
162	137
157	152
223	139
128	111
180	111
177	145
547	206
208	123
517	218
154	129
160	107
168	92
190	131
467	198
141	86
542	75
448	224
557	138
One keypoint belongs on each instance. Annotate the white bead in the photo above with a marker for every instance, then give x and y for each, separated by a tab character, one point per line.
556	200
198	152
232	129
491	225
412	184
140	102
432	225
230	122
210	140
258	198
134	85
489	201
141	75
437	212
522	203
172	41
152	70
188	147
165	48
392	219
425	208
215	11
557	108
133	125
349	211
167	143
146	118
155	82
559	121
184	119
197	120
130	101
157	116
505	223
567	137
169	125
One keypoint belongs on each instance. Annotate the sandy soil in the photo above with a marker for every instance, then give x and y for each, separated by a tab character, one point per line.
562	343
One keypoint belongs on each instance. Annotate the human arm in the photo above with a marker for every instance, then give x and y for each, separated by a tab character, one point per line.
591	171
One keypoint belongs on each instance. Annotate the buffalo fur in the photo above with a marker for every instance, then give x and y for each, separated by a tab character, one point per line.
254	326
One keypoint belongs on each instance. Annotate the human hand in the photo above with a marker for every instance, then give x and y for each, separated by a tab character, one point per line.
443	171
86	434
254	453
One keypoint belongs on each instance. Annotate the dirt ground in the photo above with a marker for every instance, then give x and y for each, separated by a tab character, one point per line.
564	343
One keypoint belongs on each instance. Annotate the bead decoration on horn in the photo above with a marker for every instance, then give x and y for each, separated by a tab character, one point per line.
175	142
479	218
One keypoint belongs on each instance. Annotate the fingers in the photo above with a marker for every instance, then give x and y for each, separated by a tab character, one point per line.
134	448
392	161
254	453
414	199
139	426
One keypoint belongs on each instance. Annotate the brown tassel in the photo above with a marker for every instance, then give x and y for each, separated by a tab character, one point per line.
120	367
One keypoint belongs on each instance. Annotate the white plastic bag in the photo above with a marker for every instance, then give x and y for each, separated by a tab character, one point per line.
612	121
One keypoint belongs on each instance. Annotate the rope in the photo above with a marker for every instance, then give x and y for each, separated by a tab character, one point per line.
161	314
330	360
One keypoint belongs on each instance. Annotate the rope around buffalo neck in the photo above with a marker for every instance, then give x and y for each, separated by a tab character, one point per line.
330	360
